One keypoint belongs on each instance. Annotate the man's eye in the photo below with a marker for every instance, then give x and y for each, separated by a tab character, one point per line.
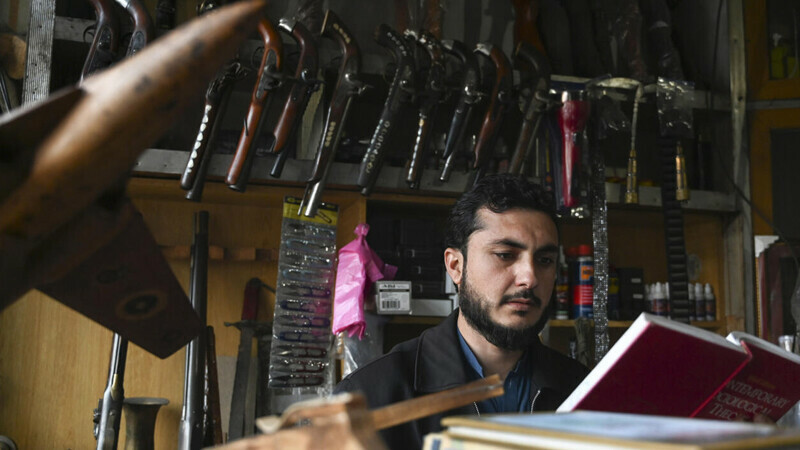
504	256
546	260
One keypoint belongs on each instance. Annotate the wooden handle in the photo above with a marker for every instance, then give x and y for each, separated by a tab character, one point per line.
427	405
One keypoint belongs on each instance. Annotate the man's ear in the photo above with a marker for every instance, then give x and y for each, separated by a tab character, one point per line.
454	263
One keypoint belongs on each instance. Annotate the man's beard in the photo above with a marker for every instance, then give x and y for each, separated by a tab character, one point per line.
477	313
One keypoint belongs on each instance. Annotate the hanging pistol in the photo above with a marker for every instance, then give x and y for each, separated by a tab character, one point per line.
469	96
347	86
540	83
106	38
303	85
268	79
500	100
143	29
429	100
401	88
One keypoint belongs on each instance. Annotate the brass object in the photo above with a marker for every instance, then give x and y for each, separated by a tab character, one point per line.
681	183
140	421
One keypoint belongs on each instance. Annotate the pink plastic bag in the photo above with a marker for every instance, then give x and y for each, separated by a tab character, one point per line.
359	267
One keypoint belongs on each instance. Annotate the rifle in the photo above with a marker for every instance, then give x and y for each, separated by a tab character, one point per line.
402	85
109	408
347	86
470	96
430	98
190	432
143	31
500	99
540	74
304	84
268	79
104	46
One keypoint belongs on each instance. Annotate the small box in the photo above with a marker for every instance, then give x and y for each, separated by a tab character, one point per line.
393	297
431	307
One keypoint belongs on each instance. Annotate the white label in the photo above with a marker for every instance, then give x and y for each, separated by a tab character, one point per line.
390	302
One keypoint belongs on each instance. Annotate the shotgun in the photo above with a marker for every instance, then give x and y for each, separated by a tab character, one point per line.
348	85
105	44
537	103
429	98
470	96
401	89
499	102
268	79
304	84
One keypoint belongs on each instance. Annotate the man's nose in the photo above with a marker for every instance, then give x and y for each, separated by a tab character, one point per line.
526	274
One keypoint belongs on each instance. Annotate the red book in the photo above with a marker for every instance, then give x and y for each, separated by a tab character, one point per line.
668	368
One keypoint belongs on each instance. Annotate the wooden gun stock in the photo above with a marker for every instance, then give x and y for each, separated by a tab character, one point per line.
347	86
539	77
302	86
466	102
217	95
266	81
143	29
499	101
104	46
403	81
434	89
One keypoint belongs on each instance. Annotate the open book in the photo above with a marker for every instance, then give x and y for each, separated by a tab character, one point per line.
668	368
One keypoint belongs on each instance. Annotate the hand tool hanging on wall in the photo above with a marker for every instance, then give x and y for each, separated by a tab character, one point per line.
429	98
190	430
539	84
268	78
348	85
61	230
470	95
103	50
143	31
108	413
499	101
401	89
247	327
303	84
217	95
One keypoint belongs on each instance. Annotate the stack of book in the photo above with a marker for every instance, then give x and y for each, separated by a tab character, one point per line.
603	430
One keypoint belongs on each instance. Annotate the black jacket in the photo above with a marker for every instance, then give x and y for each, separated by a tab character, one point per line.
434	362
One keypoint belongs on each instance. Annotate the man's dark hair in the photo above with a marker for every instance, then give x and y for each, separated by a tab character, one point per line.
498	193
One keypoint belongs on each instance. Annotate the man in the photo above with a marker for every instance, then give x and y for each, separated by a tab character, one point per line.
502	250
